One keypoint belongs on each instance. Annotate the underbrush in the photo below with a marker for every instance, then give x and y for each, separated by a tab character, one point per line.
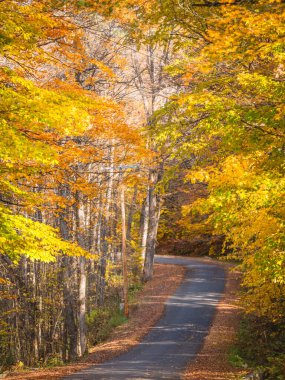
102	320
261	346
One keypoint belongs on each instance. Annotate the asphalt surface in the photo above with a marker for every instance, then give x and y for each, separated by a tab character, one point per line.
178	336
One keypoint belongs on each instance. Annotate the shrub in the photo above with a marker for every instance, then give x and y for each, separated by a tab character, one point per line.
261	344
101	321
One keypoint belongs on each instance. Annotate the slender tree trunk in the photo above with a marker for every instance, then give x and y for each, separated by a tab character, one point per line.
82	305
131	214
154	214
105	231
124	253
70	329
79	222
145	222
35	330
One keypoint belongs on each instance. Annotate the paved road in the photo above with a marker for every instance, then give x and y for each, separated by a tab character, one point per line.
177	337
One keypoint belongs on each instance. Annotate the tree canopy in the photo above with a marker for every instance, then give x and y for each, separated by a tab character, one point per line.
156	96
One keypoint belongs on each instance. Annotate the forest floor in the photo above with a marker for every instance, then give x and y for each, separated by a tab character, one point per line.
212	362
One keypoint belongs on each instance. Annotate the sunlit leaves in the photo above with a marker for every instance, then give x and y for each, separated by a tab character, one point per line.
22	236
51	129
230	116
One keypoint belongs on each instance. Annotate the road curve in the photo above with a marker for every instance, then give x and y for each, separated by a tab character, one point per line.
177	337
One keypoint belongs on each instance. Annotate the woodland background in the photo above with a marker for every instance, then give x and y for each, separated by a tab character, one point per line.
180	103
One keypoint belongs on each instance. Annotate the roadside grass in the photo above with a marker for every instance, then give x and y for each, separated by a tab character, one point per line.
235	358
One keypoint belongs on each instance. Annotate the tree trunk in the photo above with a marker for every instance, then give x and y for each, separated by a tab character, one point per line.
82	306
144	225
105	231
131	214
70	329
79	222
154	213
124	253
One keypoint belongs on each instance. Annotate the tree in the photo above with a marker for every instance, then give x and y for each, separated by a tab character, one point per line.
230	116
56	138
